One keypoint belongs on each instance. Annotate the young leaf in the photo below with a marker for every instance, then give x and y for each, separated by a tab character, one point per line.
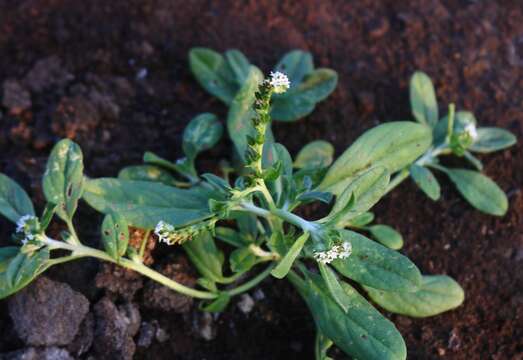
296	64
299	101
21	270
362	332
480	191
393	145
333	285
492	139
115	235
240	114
147	173
63	181
285	264
219	304
207	258
212	72
360	220
426	181
316	154
14	201
242	260
366	188
436	294
202	133
423	99
175	206
387	236
377	266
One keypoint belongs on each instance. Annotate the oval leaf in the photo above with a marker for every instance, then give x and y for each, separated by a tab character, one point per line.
316	154
387	236
437	294
480	191
14	201
202	133
296	64
426	181
115	235
393	145
147	173
377	266
63	180
21	270
143	203
423	99
492	139
362	332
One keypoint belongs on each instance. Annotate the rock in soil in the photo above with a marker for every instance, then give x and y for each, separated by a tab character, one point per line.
47	313
115	329
118	281
162	298
84	339
50	353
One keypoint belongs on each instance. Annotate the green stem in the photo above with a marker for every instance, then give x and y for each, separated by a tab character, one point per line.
251	283
72	231
144	243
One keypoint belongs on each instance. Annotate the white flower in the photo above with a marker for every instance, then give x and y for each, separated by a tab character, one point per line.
471	130
340	251
280	82
164	231
22	222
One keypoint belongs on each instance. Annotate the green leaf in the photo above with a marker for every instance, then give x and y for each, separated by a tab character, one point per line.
147	173
387	236
393	145
362	332
300	101
309	196
367	189
21	270
361	220
316	154
202	133
333	285
63	181
14	201
239	118
213	73
426	181
480	191
6	255
115	235
377	266
239	66
492	139
207	258
473	160
143	204
242	260
322	346
436	294
219	304
229	236
423	99
296	64
285	264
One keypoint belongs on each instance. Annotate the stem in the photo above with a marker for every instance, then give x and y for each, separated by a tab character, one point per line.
144	243
72	230
251	283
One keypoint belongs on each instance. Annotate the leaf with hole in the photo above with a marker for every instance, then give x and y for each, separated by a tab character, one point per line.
63	181
14	201
437	294
115	235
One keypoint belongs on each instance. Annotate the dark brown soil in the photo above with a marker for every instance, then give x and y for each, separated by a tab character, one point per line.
70	69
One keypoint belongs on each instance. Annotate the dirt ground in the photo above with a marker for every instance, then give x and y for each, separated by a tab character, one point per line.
113	76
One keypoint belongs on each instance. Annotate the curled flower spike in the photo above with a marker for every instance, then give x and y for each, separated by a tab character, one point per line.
165	233
280	82
22	223
168	234
27	226
471	131
340	251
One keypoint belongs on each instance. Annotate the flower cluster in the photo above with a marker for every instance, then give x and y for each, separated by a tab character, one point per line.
27	226
280	82
168	234
471	130
340	251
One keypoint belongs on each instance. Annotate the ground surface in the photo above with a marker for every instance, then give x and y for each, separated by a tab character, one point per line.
76	69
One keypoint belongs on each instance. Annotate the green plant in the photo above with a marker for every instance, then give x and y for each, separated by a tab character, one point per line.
256	216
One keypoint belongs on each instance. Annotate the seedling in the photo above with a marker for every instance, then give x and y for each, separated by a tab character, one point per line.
256	216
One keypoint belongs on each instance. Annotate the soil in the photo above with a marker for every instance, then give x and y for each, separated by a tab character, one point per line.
113	76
